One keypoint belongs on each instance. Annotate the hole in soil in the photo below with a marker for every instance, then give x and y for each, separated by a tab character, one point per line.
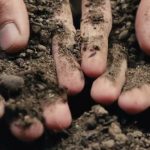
76	11
82	102
76	21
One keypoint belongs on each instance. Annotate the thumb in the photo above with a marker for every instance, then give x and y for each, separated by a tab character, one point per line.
14	25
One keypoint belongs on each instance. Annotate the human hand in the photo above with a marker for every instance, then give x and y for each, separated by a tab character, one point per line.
92	28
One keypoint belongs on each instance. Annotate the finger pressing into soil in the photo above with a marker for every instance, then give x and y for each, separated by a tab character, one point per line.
135	96
26	107
28	80
68	70
95	28
31	132
37	84
107	88
57	115
136	100
14	25
142	25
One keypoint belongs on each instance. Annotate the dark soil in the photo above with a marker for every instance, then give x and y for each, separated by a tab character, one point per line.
28	80
123	33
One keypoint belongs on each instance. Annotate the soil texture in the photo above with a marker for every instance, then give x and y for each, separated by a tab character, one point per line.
28	81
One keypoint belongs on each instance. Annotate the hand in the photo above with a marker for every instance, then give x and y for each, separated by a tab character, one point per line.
95	29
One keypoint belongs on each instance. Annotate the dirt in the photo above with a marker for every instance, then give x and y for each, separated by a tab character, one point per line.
28	81
123	33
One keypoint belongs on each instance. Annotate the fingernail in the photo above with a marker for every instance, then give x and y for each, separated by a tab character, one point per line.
8	35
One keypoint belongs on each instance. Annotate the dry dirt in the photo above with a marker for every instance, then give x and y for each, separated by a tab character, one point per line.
28	80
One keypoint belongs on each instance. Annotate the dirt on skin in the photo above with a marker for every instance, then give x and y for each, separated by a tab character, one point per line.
96	17
123	33
28	81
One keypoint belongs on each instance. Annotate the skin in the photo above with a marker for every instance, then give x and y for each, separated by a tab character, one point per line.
15	22
97	34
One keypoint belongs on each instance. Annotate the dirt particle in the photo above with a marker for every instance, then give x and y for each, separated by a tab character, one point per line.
92	54
136	134
114	129
123	35
117	54
96	48
100	111
108	144
41	47
91	123
96	18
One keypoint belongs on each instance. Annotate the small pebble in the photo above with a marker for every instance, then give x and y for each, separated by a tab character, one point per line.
30	51
121	138
41	47
95	146
28	119
20	62
99	111
123	35
91	123
22	55
108	144
36	28
136	134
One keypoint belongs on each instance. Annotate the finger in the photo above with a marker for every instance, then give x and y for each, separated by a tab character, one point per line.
57	116
136	100
68	70
95	28
142	25
30	133
14	25
107	88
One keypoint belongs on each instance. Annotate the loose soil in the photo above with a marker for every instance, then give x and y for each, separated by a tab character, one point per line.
28	81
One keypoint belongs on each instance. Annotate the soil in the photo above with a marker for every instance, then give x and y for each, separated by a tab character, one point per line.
28	81
123	33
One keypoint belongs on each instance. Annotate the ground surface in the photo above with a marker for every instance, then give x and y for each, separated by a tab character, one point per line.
33	70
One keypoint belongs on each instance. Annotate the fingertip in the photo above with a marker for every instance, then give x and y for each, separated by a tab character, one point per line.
127	105
104	92
133	101
76	86
57	116
142	25
20	43
94	58
27	134
93	70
